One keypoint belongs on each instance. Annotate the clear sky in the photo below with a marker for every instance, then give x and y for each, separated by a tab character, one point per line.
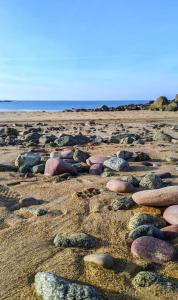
88	49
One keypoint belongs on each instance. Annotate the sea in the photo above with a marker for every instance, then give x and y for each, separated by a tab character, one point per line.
57	105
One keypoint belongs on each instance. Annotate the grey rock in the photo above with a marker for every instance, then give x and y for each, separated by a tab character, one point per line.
46	139
124	154
151	181
7	168
108	173
117	164
80	156
162	137
146	230
143	219
132	179
29	159
38	169
39	211
52	287
32	137
81	240
69	140
147	278
123	203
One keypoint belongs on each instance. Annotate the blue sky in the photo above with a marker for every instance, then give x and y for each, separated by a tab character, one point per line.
88	49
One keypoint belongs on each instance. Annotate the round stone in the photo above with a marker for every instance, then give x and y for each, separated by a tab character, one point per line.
171	214
158	197
119	186
55	166
103	259
153	250
171	231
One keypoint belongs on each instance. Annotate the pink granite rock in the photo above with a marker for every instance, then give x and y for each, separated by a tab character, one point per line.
153	250
158	197
96	159
56	166
170	231
117	185
96	169
171	214
65	153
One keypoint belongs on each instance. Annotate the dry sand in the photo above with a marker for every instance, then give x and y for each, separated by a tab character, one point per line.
26	241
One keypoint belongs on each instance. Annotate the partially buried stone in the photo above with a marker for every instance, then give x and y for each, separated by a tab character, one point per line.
38	169
122	203
146	230
117	164
153	250
108	173
100	259
55	166
151	181
143	219
81	240
49	286
147	278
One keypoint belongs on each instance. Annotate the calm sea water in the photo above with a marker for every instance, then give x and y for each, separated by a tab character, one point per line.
60	105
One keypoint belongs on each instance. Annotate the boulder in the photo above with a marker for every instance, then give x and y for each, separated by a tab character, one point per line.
29	159
171	214
117	164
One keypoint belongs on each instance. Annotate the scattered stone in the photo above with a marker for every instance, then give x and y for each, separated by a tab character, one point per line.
147	278
49	286
145	219
151	181
171	214
160	136
96	159
25	202
124	154
96	169
170	231
146	230
46	139
116	185
159	197
11	132
132	179
55	166
117	164
153	250
69	140
101	259
142	157
123	203
81	240
80	156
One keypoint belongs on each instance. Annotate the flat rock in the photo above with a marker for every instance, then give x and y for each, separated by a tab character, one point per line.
49	286
101	259
153	250
116	185
56	166
170	231
158	197
171	214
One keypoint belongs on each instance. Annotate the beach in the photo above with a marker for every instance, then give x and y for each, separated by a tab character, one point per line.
82	203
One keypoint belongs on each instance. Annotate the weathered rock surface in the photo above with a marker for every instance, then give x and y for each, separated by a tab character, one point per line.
146	230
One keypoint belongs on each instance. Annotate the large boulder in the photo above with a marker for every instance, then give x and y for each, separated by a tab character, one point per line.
56	166
158	197
159	103
28	159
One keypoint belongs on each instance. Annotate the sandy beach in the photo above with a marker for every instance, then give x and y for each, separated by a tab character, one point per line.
81	203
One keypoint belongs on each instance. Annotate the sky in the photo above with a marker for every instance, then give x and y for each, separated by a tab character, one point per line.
88	49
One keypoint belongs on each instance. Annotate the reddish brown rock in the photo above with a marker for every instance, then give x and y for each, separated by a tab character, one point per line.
96	169
171	214
170	231
25	202
158	197
55	166
96	159
116	185
153	250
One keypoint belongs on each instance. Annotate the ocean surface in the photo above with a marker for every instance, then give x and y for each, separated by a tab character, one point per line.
60	105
